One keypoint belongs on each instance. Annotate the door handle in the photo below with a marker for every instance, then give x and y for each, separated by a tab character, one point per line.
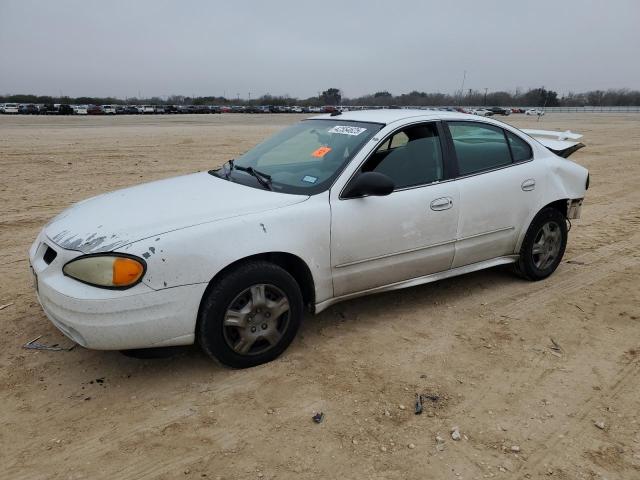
442	203
528	185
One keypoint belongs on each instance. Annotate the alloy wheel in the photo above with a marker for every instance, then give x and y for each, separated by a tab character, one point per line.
256	319
546	245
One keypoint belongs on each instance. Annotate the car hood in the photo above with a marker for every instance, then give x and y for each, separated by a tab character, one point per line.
110	221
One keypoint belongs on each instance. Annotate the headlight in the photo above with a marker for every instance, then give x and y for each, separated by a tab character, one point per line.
107	270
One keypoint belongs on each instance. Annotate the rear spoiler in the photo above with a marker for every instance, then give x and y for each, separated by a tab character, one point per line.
562	144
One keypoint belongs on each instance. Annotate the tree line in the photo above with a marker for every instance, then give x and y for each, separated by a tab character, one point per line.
535	97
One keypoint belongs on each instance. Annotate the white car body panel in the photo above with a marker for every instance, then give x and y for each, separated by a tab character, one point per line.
406	240
301	229
112	220
566	135
556	141
190	228
492	205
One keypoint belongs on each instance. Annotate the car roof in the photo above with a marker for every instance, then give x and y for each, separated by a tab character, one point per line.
387	116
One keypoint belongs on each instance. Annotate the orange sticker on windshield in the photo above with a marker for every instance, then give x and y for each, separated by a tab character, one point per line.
321	152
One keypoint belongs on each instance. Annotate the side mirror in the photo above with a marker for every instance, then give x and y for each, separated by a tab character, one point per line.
370	183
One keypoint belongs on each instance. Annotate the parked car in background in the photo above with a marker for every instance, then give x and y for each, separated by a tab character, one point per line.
64	109
483	112
296	109
95	110
80	109
109	109
534	111
380	200
225	109
159	109
146	109
48	109
500	110
170	109
28	109
10	108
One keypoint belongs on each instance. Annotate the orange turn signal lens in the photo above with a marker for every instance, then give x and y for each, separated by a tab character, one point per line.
126	271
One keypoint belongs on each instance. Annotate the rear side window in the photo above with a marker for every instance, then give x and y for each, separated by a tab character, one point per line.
520	149
479	147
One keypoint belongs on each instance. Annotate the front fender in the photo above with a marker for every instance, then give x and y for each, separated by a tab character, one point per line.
196	254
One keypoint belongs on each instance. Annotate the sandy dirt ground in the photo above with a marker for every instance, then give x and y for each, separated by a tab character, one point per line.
479	344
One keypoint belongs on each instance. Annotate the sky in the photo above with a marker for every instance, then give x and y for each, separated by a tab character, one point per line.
127	48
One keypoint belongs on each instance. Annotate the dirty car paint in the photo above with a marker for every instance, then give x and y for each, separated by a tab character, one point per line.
113	220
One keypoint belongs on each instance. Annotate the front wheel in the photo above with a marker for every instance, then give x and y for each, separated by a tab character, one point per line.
251	315
543	245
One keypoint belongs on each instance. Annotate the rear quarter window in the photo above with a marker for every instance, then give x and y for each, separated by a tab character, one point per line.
520	149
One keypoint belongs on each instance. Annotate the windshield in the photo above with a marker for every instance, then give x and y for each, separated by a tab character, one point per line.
302	159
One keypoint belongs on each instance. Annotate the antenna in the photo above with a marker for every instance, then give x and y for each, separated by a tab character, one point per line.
544	105
464	77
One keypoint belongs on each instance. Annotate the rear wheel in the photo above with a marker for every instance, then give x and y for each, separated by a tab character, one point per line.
543	245
251	315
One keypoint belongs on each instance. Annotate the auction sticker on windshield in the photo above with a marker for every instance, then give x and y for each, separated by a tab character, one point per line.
321	152
347	130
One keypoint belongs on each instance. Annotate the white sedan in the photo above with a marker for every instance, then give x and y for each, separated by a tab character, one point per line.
482	112
331	208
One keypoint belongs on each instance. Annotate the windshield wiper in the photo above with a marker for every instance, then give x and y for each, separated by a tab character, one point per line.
263	178
227	171
224	171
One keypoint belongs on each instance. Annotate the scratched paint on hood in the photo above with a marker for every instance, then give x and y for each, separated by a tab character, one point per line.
113	220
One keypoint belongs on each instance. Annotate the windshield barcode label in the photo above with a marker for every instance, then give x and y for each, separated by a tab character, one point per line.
346	130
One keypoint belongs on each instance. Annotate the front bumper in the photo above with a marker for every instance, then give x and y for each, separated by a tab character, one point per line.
103	319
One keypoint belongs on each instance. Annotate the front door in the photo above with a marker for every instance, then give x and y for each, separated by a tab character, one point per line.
378	241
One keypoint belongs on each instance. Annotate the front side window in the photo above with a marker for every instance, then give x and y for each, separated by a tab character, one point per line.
479	147
410	157
304	158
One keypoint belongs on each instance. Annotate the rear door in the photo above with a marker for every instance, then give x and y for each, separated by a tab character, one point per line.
499	187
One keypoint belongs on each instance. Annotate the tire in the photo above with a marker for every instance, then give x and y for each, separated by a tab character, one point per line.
543	245
250	316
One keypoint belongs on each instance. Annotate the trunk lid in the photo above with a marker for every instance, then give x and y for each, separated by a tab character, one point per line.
562	144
